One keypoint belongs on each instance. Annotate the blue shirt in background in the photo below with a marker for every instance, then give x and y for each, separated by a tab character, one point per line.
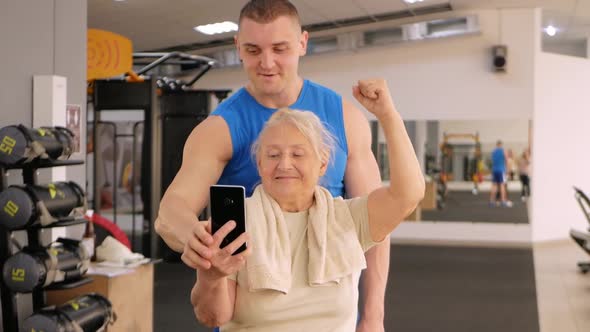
498	160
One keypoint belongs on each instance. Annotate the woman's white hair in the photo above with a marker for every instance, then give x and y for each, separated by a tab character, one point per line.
321	139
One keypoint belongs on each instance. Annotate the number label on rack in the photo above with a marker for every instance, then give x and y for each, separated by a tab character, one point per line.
11	208
18	274
77	305
53	191
7	144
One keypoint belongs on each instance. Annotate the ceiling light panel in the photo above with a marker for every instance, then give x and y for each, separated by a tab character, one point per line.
217	28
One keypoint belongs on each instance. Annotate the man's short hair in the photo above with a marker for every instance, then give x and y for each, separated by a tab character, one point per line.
266	11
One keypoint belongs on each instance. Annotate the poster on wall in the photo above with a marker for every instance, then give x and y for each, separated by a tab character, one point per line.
73	124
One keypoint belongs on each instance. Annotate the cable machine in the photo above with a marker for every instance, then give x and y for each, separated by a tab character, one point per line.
462	160
171	110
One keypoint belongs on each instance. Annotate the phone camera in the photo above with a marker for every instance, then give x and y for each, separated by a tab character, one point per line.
228	201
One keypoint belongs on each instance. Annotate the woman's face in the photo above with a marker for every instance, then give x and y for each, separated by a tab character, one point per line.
288	165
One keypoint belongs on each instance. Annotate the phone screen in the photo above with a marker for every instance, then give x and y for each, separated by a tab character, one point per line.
227	203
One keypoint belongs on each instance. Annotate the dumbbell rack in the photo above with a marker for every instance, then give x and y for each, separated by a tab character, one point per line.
8	298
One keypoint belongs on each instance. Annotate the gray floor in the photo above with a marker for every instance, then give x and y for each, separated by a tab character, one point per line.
172	308
562	290
461	289
430	289
464	206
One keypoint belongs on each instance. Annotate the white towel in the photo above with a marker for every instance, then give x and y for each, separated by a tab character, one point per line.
334	249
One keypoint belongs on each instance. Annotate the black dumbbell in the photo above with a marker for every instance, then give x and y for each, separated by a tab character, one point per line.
19	144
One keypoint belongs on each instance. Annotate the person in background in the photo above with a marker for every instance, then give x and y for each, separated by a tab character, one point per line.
510	164
523	173
499	176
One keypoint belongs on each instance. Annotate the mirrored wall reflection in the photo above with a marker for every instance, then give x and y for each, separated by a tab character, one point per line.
475	170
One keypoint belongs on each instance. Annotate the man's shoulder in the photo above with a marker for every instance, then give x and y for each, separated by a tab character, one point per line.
230	104
319	87
321	100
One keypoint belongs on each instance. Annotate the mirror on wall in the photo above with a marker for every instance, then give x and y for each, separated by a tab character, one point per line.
460	161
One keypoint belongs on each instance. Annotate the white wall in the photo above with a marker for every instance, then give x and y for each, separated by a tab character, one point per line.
560	144
70	61
42	38
437	79
27	49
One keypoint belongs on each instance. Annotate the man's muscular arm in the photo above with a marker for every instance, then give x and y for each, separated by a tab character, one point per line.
205	154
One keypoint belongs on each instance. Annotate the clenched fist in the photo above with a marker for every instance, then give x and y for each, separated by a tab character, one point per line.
374	95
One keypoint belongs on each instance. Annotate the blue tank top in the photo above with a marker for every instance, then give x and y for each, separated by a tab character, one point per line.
498	160
245	118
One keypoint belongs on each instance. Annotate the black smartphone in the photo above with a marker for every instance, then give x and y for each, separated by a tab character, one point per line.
227	203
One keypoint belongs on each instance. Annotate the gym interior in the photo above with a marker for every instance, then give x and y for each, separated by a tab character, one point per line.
464	75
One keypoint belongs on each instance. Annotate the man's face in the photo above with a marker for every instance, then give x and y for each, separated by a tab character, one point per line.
288	164
270	53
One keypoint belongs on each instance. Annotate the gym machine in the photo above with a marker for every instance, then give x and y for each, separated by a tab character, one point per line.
582	238
171	110
459	159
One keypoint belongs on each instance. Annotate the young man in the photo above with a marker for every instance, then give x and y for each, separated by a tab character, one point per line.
499	168
270	42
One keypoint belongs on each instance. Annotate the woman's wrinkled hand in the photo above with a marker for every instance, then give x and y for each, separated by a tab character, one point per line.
203	253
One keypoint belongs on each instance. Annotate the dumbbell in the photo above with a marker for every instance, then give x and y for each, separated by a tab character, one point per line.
169	84
86	313
26	205
19	144
33	268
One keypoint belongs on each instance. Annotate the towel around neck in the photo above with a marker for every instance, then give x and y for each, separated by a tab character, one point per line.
334	249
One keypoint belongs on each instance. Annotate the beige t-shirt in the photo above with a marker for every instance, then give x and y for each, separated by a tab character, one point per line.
327	308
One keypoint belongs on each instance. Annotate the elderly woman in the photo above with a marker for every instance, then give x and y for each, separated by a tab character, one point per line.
305	248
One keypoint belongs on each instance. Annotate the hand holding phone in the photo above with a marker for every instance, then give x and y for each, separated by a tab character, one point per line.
228	203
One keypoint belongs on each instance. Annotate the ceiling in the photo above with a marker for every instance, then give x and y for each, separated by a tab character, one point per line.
157	24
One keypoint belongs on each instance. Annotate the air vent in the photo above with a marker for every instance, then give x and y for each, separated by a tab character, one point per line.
357	40
427	10
322	45
384	36
446	27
